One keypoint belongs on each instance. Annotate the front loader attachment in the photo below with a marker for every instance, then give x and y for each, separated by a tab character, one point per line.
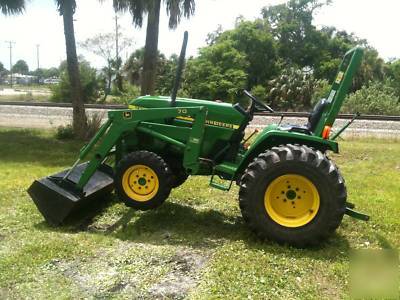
61	195
58	198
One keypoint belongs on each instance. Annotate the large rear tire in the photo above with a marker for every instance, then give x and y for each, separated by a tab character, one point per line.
143	180
293	195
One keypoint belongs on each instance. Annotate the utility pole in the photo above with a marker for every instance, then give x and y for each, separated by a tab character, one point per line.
37	56
11	43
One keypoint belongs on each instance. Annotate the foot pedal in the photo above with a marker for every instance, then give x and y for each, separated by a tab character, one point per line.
220	186
226	168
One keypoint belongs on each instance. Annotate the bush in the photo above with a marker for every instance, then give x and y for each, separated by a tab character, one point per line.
89	82
65	132
94	124
259	92
378	98
394	75
130	92
321	90
291	90
217	73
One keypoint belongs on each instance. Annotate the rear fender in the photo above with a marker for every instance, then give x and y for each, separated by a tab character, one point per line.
272	137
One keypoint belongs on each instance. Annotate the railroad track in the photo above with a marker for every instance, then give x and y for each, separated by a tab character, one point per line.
277	114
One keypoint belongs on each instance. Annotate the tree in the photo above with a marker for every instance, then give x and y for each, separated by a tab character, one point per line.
394	74
166	70
291	23
166	74
212	37
372	69
376	98
336	43
51	73
134	65
292	89
302	45
11	7
104	45
2	69
243	57
66	9
90	85
217	73
3	72
253	40
138	8
43	73
20	67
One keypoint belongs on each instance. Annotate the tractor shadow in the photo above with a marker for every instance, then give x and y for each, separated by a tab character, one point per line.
179	224
182	225
81	220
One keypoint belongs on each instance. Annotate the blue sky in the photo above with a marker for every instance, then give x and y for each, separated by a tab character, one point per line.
378	22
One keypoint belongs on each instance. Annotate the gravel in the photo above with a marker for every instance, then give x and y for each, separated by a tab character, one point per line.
52	117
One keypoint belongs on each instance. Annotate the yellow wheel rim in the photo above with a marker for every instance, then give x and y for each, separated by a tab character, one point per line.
140	183
292	200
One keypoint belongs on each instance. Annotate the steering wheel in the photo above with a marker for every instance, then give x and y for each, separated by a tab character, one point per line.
256	102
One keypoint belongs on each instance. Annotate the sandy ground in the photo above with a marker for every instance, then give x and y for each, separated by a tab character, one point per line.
22	91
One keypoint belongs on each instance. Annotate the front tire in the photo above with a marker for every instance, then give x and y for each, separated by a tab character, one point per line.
293	195
142	180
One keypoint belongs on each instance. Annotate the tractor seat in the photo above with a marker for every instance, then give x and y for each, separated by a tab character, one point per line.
316	114
313	119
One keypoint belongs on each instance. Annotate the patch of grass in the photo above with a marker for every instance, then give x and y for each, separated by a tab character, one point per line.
195	245
31	93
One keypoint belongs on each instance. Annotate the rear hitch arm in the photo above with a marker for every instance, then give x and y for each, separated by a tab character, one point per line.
354	214
337	134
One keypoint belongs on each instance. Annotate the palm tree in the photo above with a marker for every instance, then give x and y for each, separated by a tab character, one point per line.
138	8
11	7
66	8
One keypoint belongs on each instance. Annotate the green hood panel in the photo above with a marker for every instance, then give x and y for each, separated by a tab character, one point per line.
164	101
224	113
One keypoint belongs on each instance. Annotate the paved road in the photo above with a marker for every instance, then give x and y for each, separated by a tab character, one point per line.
52	117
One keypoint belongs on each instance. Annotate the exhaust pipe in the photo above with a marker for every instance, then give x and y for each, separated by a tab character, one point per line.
181	64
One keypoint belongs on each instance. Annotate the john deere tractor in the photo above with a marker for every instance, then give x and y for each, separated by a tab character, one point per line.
290	191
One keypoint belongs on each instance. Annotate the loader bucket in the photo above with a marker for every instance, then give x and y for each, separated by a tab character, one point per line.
58	200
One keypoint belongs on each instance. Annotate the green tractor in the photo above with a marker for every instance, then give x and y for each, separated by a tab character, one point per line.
290	191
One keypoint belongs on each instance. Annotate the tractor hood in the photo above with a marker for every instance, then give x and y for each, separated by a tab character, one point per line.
221	112
163	101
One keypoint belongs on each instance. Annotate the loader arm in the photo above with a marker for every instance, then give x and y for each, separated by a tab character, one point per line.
121	122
